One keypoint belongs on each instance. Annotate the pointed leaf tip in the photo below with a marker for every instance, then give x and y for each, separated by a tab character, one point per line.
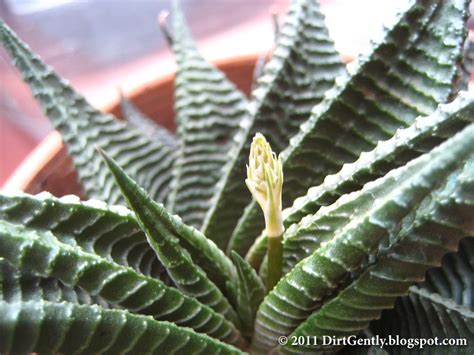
162	21
249	293
120	176
106	158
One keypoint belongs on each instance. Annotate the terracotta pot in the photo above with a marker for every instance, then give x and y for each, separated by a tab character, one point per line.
49	168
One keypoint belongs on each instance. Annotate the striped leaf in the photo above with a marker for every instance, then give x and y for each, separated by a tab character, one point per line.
422	314
187	276
373	218
425	237
249	294
257	251
303	66
144	124
66	328
423	135
408	143
443	303
455	278
108	231
82	127
426	132
406	74
209	111
112	232
43	254
16	286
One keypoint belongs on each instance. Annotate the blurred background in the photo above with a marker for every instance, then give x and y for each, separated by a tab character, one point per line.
101	45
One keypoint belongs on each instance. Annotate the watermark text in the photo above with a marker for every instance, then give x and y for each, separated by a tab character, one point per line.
381	342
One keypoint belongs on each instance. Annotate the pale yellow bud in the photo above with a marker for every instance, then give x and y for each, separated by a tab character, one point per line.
265	182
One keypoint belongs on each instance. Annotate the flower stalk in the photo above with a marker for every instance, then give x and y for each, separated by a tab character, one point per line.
265	182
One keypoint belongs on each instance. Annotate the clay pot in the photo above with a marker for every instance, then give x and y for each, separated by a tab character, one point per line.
49	168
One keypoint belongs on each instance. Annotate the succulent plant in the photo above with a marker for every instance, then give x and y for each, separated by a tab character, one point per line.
170	253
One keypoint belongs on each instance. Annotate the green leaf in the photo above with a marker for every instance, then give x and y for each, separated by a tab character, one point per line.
16	286
423	314
144	124
187	276
409	143
113	233
455	278
407	74
426	235
209	111
82	127
303	66
420	137
443	302
303	238
45	327
108	231
44	255
249	294
374	216
203	251
257	251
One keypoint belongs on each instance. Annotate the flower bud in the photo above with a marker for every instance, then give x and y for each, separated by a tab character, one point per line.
265	182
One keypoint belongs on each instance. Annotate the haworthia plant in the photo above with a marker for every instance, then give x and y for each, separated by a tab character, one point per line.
378	186
303	66
393	84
